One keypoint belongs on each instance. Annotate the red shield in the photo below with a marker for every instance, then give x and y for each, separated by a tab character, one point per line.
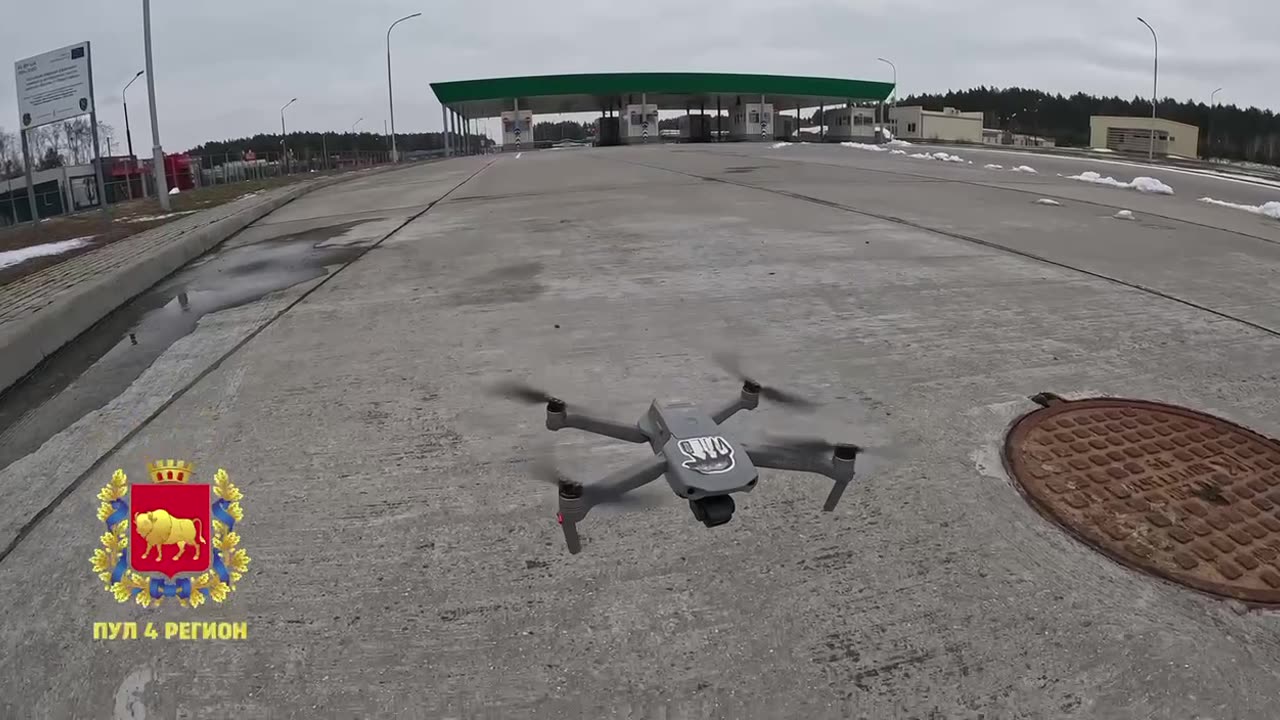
169	528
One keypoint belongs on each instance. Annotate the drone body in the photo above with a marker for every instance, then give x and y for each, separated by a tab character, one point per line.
701	462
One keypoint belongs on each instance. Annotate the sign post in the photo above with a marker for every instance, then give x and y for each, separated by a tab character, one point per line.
55	86
31	188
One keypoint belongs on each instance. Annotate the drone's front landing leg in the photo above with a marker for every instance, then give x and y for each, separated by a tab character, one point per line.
577	500
838	466
748	400
559	416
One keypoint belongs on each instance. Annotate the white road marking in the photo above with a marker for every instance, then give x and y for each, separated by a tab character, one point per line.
129	705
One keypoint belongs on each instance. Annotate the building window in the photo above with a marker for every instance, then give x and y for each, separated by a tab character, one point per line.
755	117
911	127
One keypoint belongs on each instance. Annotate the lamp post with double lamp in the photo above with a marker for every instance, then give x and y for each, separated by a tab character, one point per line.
391	102
884	122
284	148
1155	75
1213	105
128	136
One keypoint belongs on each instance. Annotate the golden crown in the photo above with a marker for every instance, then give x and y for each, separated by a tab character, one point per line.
171	471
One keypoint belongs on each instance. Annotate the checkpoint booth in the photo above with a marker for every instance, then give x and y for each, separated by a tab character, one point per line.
638	123
517	129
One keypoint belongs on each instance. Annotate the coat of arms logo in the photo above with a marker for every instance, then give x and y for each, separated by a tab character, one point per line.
170	537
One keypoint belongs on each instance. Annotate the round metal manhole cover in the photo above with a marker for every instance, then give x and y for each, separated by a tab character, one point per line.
1172	491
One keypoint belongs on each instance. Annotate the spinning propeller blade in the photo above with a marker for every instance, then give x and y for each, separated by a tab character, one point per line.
731	364
523	392
877	456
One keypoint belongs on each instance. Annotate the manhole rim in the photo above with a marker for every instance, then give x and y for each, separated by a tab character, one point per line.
1017	431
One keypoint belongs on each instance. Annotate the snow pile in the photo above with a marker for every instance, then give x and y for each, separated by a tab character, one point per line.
9	258
896	143
1124	215
944	157
780	145
1047	201
1025	169
993	166
864	146
885	133
1271	209
153	218
897	152
1141	184
173	191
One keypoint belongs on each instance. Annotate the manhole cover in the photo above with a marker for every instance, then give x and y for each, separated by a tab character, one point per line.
1172	491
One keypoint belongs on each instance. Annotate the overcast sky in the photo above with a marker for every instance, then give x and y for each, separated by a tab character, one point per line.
223	69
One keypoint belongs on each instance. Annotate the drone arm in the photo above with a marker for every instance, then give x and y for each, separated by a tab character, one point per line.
630	478
746	401
573	508
838	469
567	418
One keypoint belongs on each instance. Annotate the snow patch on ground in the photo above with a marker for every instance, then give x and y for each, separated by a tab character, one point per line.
1141	184
9	258
780	145
897	152
993	166
153	218
174	191
1124	215
1047	201
1270	209
897	143
1025	169
942	156
864	146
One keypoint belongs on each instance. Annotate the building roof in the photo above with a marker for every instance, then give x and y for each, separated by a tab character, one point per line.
669	91
1138	121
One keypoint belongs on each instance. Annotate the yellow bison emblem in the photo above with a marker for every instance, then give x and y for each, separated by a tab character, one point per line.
159	528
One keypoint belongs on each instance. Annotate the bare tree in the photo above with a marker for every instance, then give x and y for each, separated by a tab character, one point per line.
71	136
106	135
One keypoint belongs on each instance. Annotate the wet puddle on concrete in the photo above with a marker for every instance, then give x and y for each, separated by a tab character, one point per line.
99	365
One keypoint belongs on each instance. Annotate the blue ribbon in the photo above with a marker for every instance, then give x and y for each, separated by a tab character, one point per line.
160	587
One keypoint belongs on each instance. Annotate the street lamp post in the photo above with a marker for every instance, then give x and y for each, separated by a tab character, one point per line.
1213	104
885	120
1155	76
128	136
354	124
284	148
391	102
157	152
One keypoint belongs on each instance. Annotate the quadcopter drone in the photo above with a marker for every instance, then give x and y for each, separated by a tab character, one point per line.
702	464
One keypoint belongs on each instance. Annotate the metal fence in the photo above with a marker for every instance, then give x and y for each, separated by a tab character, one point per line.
73	194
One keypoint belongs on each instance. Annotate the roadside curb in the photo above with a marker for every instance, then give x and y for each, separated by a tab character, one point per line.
26	343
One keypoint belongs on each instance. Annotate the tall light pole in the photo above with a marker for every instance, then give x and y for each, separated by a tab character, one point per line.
284	148
391	103
354	124
1155	76
128	136
157	153
1213	104
885	121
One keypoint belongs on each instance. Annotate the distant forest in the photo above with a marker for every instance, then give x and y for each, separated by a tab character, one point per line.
1227	131
309	144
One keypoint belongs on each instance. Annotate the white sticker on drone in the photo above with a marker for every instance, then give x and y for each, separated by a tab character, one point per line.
710	455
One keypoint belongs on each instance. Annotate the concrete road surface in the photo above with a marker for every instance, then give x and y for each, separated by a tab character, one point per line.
404	564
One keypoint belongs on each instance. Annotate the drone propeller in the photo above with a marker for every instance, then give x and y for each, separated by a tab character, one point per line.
878	456
523	392
546	471
732	365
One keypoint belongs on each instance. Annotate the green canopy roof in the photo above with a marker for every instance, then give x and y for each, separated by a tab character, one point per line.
669	91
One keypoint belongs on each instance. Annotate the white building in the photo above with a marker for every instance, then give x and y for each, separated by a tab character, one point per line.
946	125
851	122
747	122
517	128
639	123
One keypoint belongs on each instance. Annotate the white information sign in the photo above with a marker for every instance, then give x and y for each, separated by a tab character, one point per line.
53	86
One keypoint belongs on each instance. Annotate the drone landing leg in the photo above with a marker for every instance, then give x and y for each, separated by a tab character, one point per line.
839	469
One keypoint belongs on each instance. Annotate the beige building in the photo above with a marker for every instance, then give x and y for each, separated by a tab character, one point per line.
1133	134
946	125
